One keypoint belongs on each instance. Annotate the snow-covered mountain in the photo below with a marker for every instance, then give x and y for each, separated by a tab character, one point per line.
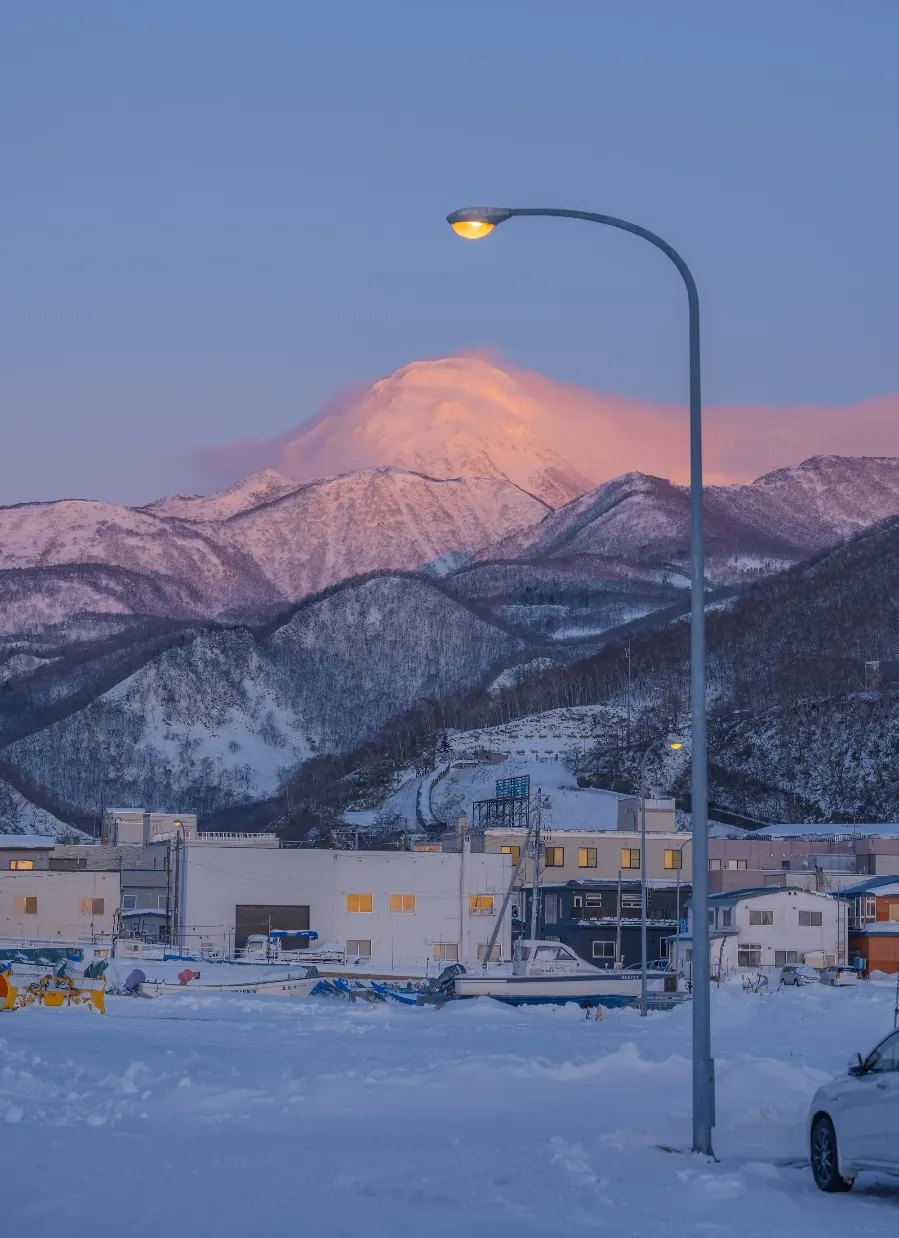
776	520
215	717
79	557
251	491
455	417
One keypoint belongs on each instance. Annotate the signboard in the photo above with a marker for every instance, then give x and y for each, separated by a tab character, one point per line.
514	788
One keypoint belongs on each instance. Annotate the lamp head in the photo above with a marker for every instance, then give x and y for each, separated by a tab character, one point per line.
674	744
473	222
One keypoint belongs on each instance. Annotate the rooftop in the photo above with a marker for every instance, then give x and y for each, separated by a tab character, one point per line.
19	842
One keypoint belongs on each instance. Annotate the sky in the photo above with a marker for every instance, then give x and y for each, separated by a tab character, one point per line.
217	216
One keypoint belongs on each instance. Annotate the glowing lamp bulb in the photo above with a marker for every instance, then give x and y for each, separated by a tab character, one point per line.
675	744
472	229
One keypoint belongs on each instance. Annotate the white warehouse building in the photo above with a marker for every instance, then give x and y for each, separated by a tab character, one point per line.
400	909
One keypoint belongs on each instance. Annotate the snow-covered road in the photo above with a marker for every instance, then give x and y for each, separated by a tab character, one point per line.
242	1116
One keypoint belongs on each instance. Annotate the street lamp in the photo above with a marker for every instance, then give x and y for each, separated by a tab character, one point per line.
473	223
673	745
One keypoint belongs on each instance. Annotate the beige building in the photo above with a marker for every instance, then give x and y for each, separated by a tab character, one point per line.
134	827
51	905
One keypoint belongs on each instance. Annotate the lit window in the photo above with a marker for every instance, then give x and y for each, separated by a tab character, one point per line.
749	956
604	949
674	858
734	865
514	852
815	919
401	902
92	906
482	953
445	951
359	902
356	947
766	917
27	905
554	857
480	904
129	902
22	865
630	857
586	857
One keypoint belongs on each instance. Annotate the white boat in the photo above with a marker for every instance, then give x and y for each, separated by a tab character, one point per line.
549	972
285	987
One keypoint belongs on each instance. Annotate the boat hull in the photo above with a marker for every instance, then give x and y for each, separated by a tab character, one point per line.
555	990
299	988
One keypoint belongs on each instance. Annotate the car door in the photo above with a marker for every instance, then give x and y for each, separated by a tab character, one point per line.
884	1070
859	1119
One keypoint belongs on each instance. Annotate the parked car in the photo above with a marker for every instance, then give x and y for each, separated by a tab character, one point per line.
798	973
838	975
854	1121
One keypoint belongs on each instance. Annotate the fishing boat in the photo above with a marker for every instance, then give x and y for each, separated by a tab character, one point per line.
284	986
550	972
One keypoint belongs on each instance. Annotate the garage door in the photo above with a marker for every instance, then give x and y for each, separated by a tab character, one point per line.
261	917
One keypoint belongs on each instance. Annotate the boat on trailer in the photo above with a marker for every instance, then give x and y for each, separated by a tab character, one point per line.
549	972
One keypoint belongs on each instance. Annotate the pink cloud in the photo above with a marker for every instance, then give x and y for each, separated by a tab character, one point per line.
452	414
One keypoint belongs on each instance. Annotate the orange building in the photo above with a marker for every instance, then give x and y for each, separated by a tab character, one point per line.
874	923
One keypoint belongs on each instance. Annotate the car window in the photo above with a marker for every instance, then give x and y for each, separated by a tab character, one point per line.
885	1056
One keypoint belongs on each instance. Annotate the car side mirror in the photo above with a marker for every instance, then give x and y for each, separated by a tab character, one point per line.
856	1065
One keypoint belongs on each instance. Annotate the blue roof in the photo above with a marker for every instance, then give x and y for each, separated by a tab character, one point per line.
730	898
870	884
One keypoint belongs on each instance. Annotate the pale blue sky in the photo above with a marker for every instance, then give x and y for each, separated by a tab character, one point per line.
213	215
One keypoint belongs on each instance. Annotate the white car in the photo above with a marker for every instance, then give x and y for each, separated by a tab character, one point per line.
798	973
854	1121
838	976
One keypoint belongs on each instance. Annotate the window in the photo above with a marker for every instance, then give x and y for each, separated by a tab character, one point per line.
604	949
551	909
714	866
480	904
482	953
735	865
129	902
26	906
765	917
749	956
713	917
554	857
445	951
886	1056
162	902
783	957
577	901
514	852
862	911
593	900
785	865
812	919
358	902
400	903
893	911
727	917
22	865
674	858
358	948
586	857
630	857
92	906
631	902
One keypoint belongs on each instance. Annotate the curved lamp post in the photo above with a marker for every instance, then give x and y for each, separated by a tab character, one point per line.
673	745
476	222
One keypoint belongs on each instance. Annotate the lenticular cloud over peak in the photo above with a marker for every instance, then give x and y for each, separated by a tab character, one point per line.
475	416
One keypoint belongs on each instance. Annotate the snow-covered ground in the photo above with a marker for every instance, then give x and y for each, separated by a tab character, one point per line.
237	1116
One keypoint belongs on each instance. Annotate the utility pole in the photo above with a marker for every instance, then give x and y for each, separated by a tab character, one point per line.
627	654
536	882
